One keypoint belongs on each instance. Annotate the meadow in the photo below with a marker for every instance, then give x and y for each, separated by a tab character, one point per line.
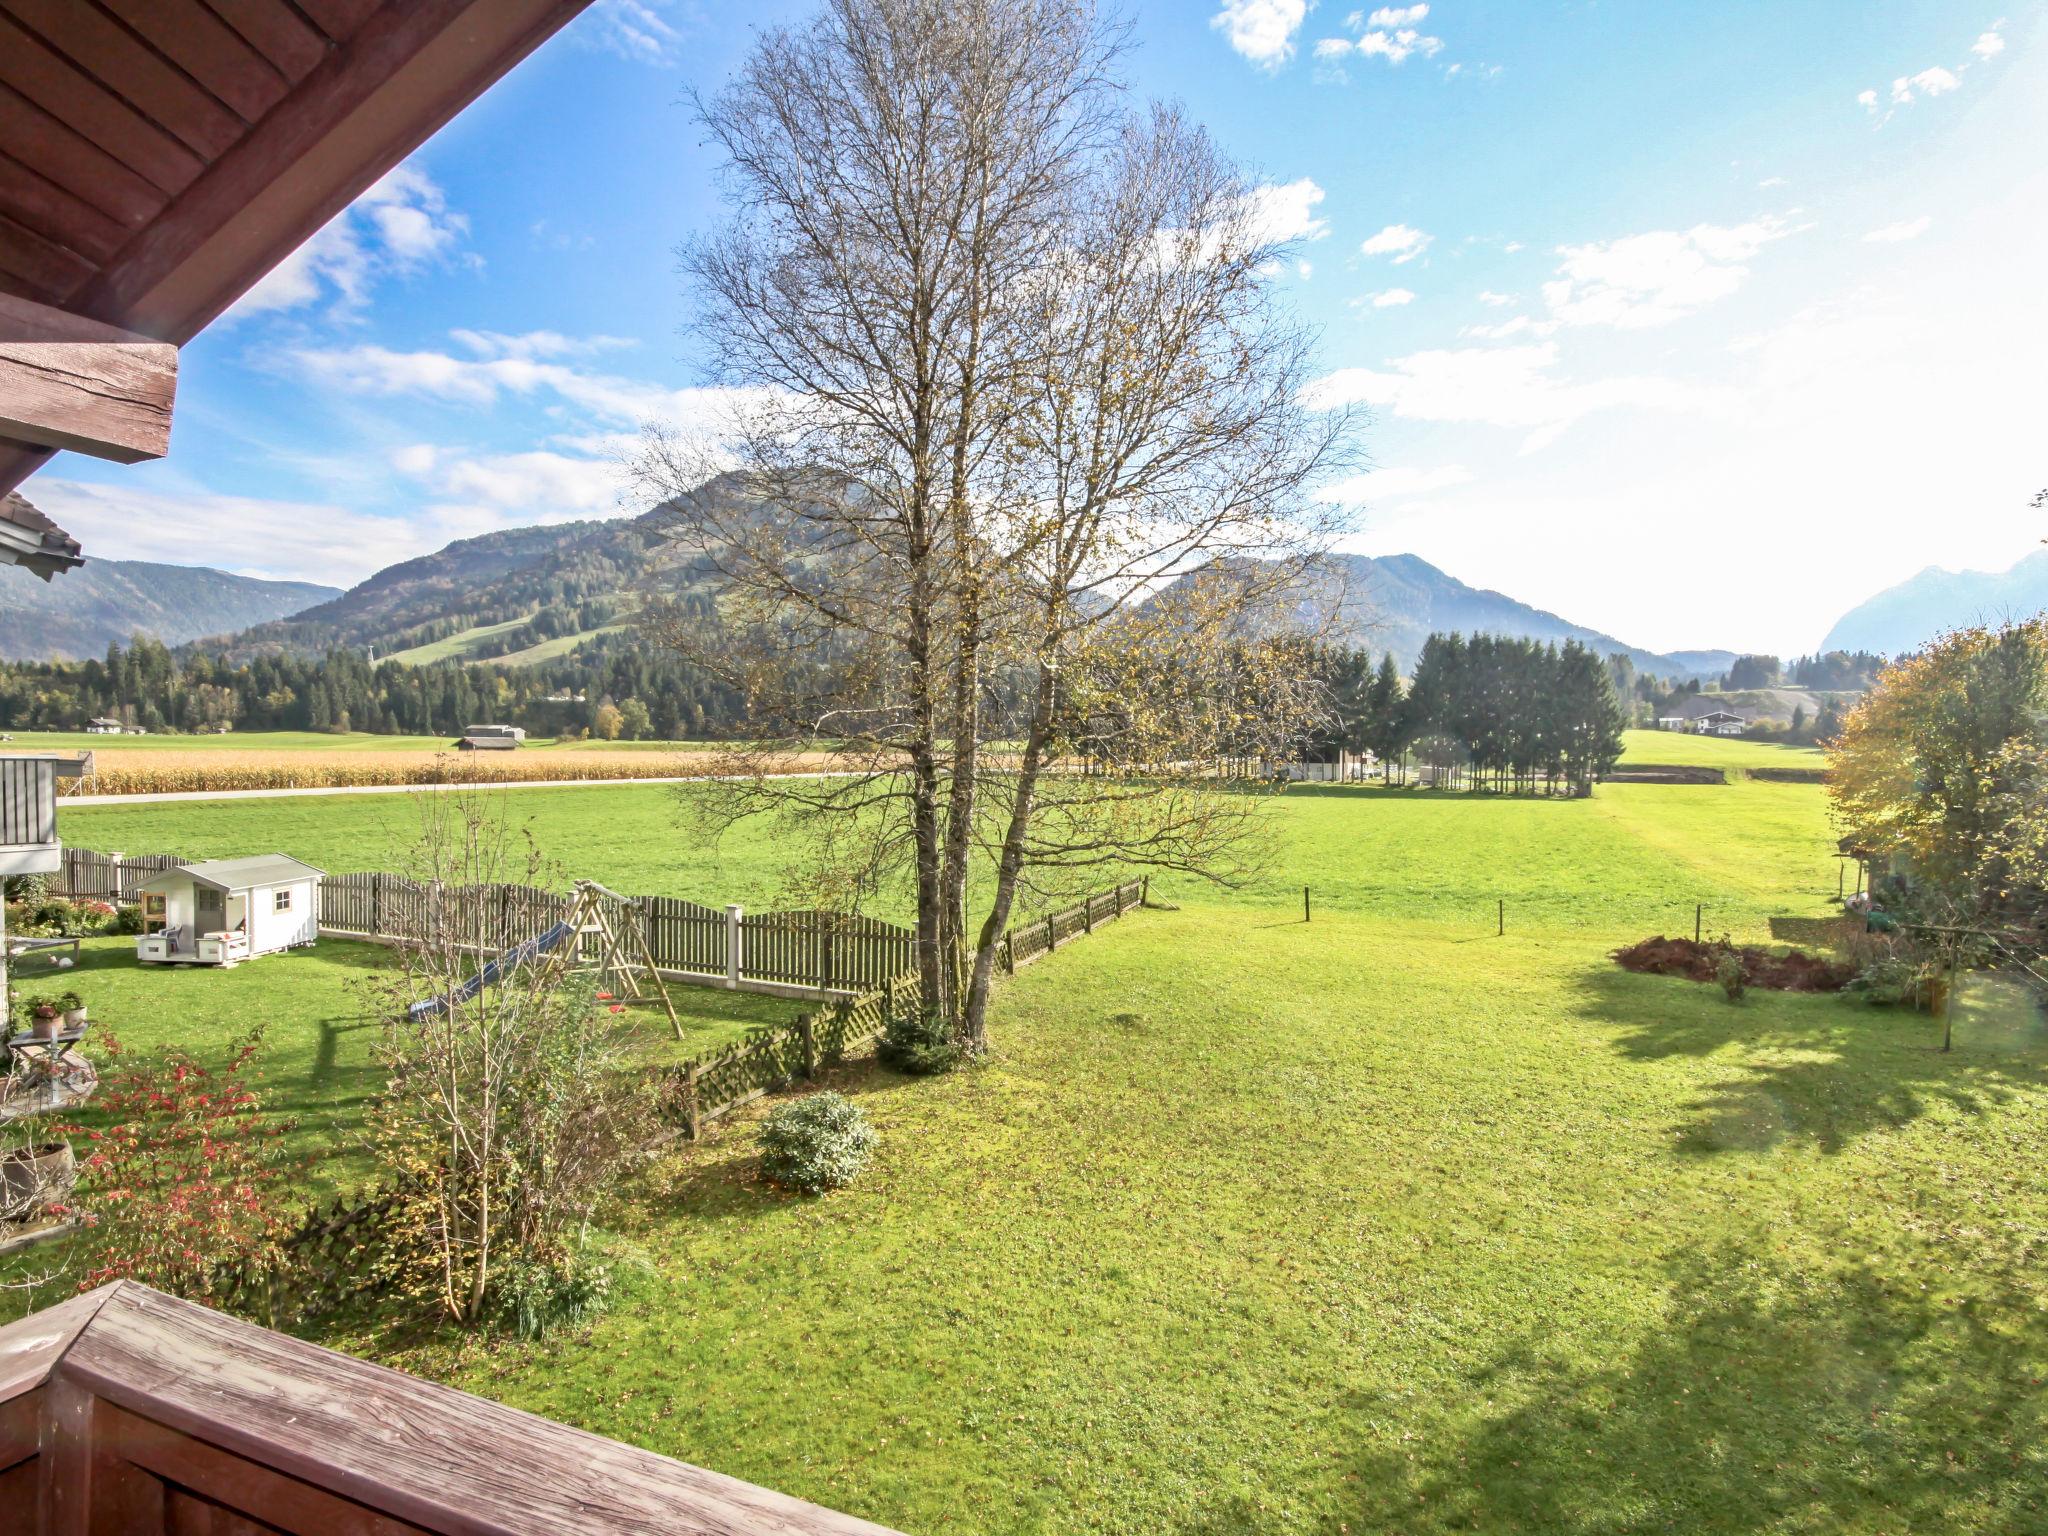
1379	1221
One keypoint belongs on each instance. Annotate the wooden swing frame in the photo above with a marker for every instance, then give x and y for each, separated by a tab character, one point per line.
619	967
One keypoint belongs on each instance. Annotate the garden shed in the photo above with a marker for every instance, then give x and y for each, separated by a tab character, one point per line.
224	911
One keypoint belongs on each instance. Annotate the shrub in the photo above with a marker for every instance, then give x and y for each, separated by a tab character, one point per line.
533	1297
815	1143
508	1118
187	1189
26	888
1888	980
127	921
1728	972
918	1043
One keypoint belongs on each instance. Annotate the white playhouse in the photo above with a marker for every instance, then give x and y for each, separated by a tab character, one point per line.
224	911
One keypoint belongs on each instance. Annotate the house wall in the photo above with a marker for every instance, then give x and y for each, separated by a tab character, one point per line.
270	929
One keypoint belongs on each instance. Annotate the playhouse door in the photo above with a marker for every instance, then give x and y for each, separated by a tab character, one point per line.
209	910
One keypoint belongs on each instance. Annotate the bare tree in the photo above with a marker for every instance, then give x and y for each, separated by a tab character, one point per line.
1023	465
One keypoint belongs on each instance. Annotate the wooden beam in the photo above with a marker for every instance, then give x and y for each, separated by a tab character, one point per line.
70	382
411	66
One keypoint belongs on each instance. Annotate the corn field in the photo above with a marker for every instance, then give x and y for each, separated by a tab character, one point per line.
208	771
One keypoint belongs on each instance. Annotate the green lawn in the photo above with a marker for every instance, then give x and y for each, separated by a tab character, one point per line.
320	1030
1378	1222
1644	747
1263	1227
1634	856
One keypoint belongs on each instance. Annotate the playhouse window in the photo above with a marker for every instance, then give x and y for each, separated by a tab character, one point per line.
281	901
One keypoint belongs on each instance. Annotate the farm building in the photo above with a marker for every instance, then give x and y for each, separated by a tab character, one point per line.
100	725
486	744
1720	722
512	733
224	911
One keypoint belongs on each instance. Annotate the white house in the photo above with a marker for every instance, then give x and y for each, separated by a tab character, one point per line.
101	725
224	911
1720	722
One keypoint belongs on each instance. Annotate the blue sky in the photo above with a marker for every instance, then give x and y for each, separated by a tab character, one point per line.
1696	323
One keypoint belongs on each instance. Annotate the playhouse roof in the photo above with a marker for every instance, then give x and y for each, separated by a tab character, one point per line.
241	874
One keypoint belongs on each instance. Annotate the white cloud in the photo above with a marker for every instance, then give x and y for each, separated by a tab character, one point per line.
1262	30
399	225
1395	47
521	367
1652	279
1497	300
538	344
1397	16
1395	481
537	484
1521	325
1933	82
277	540
1392	298
1772	181
1305	270
1398	241
632	29
1988	45
1512	387
1905	229
1284	213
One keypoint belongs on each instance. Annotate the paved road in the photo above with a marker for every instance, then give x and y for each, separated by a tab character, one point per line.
423	789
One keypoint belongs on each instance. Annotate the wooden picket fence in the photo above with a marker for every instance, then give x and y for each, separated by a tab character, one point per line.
1039	936
813	951
710	1086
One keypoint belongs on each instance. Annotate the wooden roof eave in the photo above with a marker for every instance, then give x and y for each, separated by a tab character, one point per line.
405	71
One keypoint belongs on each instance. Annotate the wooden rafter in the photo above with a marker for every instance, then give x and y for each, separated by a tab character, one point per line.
163	155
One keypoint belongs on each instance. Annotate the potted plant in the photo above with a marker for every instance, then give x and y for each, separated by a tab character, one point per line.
72	1006
45	1014
33	1176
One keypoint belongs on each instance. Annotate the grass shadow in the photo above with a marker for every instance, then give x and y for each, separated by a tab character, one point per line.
1819	1069
1759	1400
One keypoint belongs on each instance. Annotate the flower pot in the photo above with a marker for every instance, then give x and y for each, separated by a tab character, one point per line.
32	1177
74	1018
46	1026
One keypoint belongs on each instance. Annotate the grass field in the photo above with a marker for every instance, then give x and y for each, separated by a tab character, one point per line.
1647	747
1378	1222
320	1030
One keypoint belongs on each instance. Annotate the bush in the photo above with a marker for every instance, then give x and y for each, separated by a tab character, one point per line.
532	1298
188	1188
1888	980
815	1143
1729	974
918	1043
127	920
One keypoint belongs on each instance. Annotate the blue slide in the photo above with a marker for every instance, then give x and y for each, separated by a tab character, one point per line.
511	960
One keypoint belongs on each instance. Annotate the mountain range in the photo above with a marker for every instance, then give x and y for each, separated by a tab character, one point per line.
80	613
525	594
1906	617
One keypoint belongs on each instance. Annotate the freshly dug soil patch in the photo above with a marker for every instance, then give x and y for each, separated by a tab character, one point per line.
1790	775
1667	773
1796	971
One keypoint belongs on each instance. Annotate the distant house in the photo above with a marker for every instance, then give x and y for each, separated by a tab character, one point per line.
512	733
103	727
1672	722
487	744
1720	722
